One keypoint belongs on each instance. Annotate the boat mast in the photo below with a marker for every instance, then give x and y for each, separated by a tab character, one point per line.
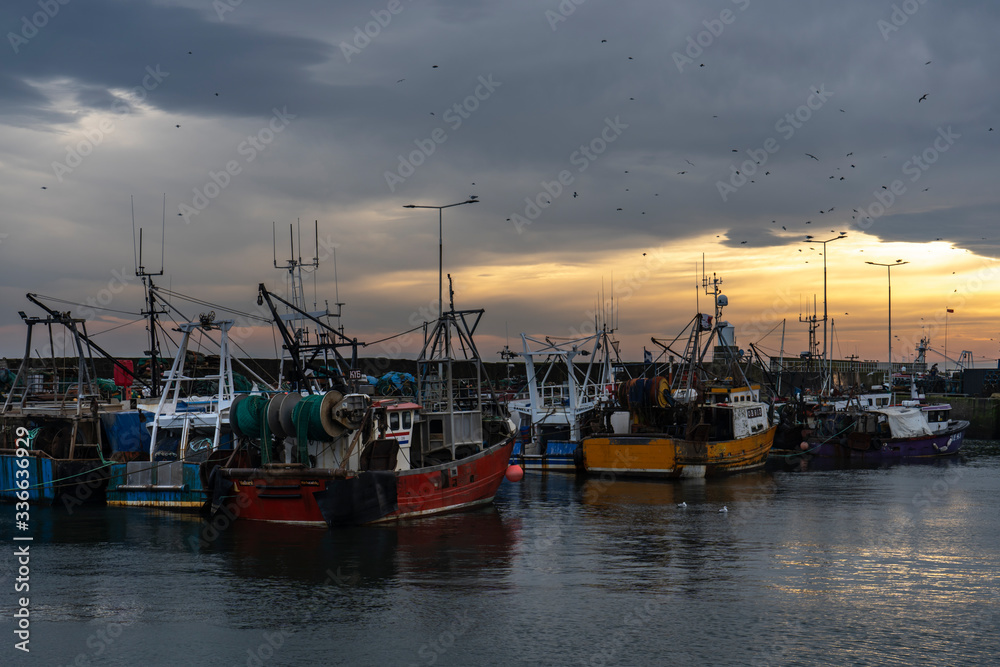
296	316
150	299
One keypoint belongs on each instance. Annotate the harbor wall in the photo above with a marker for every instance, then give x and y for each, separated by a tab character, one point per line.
983	414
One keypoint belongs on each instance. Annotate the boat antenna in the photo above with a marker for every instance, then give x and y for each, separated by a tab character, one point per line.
135	255
163	231
151	309
697	294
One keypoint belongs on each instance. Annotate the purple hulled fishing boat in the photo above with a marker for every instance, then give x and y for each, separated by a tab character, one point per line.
893	433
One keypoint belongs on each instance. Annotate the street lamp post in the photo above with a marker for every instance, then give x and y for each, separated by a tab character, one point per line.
471	200
829	362
888	270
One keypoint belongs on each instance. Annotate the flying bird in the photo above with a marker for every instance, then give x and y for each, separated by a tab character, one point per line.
400	80
924	97
813	156
692	163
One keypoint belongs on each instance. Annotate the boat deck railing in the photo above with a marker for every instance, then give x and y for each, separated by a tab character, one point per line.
557	395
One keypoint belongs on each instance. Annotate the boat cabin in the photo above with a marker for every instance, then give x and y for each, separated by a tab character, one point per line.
938	416
400	419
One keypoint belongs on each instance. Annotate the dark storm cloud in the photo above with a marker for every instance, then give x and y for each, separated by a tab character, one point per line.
108	45
367	97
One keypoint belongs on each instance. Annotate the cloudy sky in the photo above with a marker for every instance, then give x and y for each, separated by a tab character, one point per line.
611	146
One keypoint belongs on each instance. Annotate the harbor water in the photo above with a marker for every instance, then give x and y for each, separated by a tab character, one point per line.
889	565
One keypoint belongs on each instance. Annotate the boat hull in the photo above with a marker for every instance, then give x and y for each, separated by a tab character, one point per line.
323	497
558	457
174	485
861	447
664	456
50	480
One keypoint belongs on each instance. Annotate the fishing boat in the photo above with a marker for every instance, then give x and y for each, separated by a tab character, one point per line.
556	414
877	432
688	423
52	444
185	431
893	433
870	428
376	461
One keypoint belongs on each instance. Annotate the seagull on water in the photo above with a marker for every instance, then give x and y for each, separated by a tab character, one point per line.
724	509
682	504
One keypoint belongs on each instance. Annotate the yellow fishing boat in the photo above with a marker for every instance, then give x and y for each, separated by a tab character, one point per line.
728	438
687	423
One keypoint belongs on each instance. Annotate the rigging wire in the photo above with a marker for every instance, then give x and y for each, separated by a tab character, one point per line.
98	333
382	340
86	305
215	306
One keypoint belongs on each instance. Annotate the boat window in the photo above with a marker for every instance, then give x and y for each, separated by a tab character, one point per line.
407	419
393	421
